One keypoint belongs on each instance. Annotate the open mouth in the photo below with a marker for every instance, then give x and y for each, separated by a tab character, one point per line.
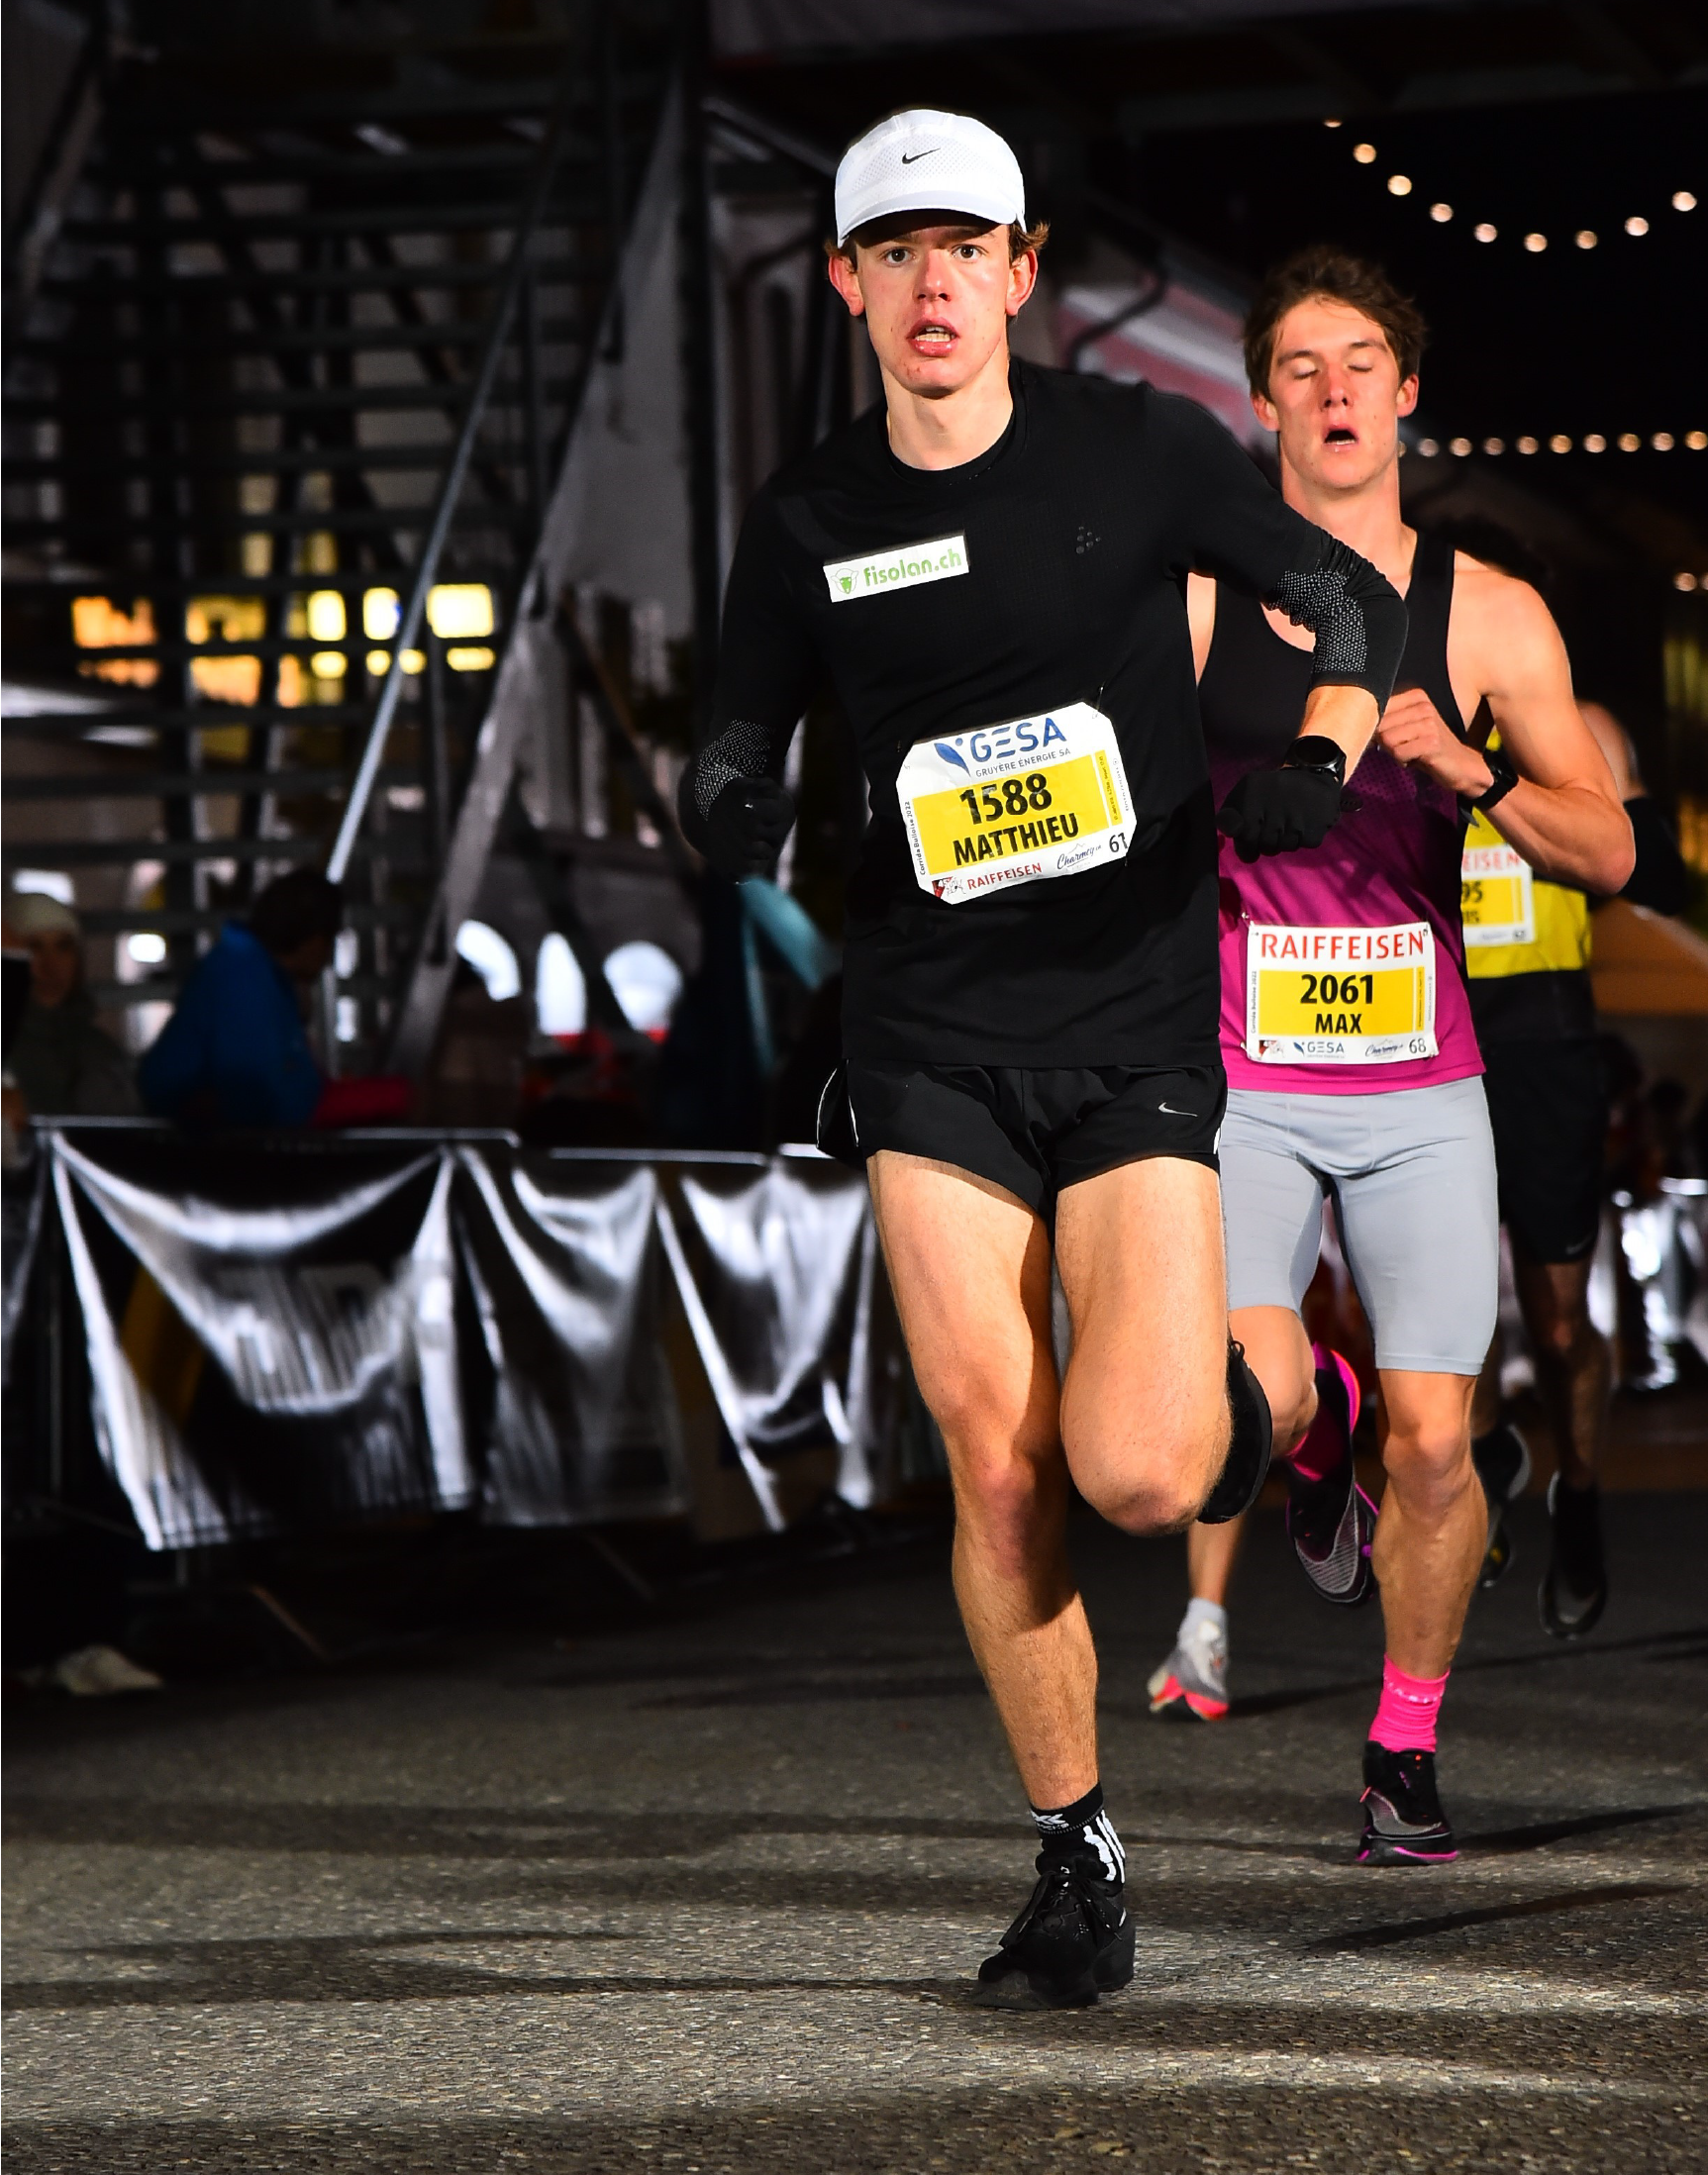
1340	435
931	338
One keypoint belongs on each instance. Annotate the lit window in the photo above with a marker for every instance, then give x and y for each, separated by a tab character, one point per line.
47	884
326	620
145	947
645	981
559	989
460	610
492	959
470	659
327	664
380	613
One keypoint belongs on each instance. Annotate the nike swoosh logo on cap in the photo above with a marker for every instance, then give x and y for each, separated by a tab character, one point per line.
912	159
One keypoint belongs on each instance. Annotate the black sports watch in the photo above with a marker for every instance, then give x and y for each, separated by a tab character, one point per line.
1502	779
1315	751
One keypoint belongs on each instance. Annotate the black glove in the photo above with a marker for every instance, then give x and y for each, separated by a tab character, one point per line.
748	821
1279	811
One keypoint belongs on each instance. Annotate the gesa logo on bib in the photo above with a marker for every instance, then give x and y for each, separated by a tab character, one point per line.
1015	803
1339	996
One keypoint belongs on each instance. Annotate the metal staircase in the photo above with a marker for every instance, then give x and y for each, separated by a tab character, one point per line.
291	368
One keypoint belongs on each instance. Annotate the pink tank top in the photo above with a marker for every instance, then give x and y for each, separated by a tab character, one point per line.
1346	937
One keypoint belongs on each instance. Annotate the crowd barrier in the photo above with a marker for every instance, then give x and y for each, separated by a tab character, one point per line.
296	1331
269	1334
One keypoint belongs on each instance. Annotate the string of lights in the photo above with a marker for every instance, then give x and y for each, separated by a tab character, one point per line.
1535	242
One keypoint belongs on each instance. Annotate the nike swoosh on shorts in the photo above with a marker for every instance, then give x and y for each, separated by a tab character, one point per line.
1173	1113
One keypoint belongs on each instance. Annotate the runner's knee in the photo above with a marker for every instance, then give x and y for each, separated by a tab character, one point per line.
1156	1487
1431	1457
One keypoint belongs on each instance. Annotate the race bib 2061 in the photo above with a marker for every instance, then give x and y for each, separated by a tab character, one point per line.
1339	996
1015	803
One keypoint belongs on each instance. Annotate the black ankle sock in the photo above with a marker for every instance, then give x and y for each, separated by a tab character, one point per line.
1083	1831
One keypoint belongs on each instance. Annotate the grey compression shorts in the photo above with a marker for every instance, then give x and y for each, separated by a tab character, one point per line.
1412	1177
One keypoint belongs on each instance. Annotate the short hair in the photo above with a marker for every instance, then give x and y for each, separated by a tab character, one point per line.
877	231
1336	276
295	908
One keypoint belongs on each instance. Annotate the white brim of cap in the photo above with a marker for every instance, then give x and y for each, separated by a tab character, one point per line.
991	209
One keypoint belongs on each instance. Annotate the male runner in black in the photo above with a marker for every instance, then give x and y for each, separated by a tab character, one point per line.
990	571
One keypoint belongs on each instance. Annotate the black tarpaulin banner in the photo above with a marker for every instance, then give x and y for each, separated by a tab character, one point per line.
271	1337
291	1334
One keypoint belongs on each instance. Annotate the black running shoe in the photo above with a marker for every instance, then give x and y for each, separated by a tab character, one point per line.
1071	1942
1331	1522
1247	1465
1404	1823
1573	1589
1502	1462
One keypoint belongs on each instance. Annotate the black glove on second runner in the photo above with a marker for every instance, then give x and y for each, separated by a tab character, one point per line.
1279	811
746	827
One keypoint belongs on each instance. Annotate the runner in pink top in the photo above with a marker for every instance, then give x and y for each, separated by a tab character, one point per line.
1346	1028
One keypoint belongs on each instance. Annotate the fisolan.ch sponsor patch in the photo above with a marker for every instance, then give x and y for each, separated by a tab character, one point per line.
940	558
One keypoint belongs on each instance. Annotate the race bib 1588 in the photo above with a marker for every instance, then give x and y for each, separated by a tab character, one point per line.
1015	803
1339	996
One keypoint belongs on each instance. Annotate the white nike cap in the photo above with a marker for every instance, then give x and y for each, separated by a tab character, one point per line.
926	162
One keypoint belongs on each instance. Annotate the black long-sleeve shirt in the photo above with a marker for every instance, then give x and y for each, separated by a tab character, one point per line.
1059	563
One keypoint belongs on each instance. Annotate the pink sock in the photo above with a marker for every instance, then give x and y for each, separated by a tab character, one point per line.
1326	1441
1405	1716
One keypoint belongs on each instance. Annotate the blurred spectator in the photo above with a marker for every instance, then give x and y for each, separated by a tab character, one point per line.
60	1063
234	1052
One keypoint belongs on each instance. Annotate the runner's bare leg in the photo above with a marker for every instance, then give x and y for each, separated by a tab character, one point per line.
1434	1523
1139	1251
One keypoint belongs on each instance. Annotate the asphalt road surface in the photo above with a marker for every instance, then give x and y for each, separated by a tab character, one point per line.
705	1894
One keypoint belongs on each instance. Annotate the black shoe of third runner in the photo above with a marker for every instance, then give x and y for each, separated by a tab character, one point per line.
1331	1522
1247	1465
1404	1823
1502	1462
1071	1942
1574	1586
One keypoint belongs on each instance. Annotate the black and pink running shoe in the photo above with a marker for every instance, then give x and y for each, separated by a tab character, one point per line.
1331	1522
1404	1823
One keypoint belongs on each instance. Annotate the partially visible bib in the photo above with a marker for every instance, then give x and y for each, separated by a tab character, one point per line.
1516	922
1339	996
1015	804
1496	891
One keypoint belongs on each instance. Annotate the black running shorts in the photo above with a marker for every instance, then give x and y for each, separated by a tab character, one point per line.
1030	1132
1548	1108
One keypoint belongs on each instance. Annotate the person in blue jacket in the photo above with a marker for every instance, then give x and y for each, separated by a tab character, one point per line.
234	1052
